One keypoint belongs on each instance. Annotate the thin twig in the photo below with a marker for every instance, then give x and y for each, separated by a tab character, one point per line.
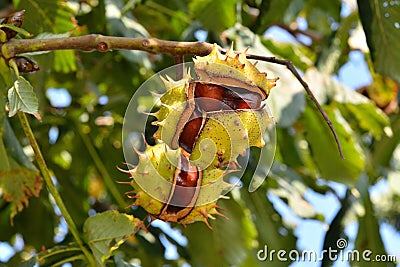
293	70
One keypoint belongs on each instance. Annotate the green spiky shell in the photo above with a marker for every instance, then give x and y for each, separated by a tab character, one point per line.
156	164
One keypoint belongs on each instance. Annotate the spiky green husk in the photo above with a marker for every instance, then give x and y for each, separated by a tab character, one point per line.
233	70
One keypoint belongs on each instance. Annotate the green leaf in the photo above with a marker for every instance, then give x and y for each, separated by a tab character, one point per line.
326	89
106	231
124	25
14	147
49	35
323	146
40	233
298	54
171	16
382	150
5	73
321	14
214	15
337	227
288	151
22	97
381	23
270	12
291	188
334	51
369	118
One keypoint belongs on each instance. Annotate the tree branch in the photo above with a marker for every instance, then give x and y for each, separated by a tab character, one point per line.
52	188
101	43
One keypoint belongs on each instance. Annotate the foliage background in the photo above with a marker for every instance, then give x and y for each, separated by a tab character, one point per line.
81	136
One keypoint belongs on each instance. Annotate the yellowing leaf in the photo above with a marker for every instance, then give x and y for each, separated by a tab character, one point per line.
106	231
18	184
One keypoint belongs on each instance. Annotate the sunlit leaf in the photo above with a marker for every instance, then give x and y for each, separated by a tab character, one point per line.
124	25
21	97
383	91
368	117
106	231
334	52
29	263
172	21
381	23
320	14
292	191
270	12
300	57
